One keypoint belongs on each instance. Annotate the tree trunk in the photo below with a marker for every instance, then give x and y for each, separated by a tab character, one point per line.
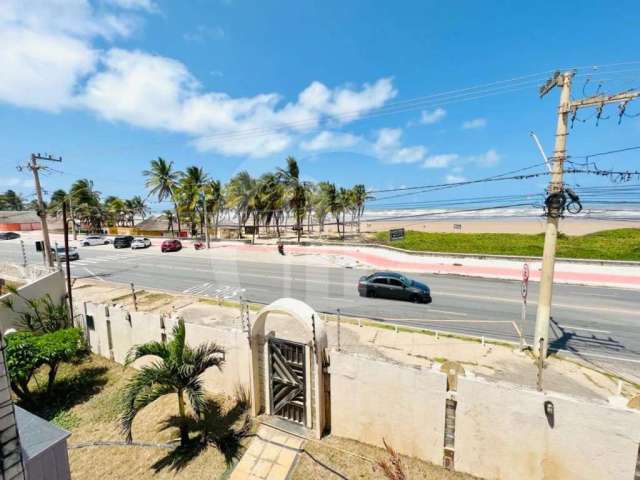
215	230
277	225
184	429
53	370
239	225
175	205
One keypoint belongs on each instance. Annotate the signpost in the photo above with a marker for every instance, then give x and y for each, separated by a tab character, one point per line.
396	234
524	288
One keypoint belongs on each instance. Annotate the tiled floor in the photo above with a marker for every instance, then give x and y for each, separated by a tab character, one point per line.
269	457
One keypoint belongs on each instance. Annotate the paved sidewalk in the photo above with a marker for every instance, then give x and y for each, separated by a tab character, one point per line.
270	456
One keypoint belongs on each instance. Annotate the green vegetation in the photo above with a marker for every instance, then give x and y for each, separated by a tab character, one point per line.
177	371
41	314
27	352
620	244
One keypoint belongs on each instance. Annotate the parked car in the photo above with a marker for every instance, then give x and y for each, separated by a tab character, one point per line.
395	286
171	246
61	253
140	242
123	241
91	240
9	235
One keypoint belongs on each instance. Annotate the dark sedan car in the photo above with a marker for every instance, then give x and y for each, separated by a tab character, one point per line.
395	286
123	241
9	235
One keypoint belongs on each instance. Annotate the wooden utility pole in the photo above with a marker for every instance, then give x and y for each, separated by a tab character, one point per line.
556	186
42	212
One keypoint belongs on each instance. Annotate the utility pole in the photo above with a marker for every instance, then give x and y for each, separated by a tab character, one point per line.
66	255
556	186
42	213
206	219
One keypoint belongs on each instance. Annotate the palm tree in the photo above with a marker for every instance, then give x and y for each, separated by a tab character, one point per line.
177	371
85	201
191	187
169	215
10	200
162	181
296	194
215	202
139	206
237	196
360	196
322	202
55	202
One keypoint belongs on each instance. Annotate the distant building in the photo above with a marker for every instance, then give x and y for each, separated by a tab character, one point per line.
19	221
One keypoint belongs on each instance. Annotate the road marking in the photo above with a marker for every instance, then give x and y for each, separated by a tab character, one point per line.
94	275
573	327
555	305
597	355
459	314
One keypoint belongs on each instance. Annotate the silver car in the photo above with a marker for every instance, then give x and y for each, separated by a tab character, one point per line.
140	242
91	240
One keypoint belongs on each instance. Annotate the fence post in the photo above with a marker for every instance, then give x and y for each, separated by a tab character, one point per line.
338	329
135	299
24	254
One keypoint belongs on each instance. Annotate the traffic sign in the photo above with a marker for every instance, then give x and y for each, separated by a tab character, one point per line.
523	290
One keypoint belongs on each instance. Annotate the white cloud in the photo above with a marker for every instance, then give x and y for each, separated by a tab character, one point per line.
330	140
15	182
134	4
388	139
388	147
429	118
204	32
487	159
50	63
455	179
474	123
440	161
409	154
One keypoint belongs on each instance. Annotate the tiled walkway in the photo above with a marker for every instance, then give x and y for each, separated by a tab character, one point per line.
270	456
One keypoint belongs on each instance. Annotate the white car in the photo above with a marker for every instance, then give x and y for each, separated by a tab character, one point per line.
140	242
95	240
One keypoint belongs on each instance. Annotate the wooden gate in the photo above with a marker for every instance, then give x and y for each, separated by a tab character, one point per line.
287	372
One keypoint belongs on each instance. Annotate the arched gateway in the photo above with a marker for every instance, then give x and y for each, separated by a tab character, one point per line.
288	341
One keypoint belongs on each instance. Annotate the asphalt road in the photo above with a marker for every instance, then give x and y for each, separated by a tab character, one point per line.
599	324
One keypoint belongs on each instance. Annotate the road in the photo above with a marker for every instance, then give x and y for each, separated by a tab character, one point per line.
598	323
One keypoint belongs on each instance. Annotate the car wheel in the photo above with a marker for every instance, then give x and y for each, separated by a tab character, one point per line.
414	298
85	244
371	294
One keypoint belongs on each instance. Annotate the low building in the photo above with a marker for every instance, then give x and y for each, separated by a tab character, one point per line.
19	221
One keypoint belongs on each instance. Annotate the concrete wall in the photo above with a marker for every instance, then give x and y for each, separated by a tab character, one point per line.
502	432
132	328
374	399
52	284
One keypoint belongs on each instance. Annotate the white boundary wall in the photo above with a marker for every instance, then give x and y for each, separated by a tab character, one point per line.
501	430
52	284
132	328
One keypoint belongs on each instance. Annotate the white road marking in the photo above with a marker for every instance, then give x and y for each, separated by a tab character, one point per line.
573	327
94	275
597	355
555	304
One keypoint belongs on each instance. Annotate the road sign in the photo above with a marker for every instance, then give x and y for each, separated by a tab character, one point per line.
525	272
39	246
396	234
523	290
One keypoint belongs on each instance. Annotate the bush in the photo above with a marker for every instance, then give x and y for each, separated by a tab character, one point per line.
26	352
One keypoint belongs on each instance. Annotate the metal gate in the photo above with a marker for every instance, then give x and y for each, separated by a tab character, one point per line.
287	371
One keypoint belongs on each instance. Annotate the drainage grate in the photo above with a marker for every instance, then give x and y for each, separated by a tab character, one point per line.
449	433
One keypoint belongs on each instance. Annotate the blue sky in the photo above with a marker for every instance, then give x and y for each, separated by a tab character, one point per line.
237	84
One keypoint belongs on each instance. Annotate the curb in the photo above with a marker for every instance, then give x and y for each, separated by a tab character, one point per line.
475	256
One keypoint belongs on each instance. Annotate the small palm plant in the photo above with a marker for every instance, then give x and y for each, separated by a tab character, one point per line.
177	371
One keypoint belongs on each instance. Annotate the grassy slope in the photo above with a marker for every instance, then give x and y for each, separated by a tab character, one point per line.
621	244
86	403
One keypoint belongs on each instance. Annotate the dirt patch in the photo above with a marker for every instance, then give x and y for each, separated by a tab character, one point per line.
335	458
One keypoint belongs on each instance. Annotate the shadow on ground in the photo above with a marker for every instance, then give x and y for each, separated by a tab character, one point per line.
66	392
224	430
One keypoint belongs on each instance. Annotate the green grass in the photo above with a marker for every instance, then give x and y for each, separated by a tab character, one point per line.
620	244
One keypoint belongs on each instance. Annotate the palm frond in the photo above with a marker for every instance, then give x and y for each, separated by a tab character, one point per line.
151	348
